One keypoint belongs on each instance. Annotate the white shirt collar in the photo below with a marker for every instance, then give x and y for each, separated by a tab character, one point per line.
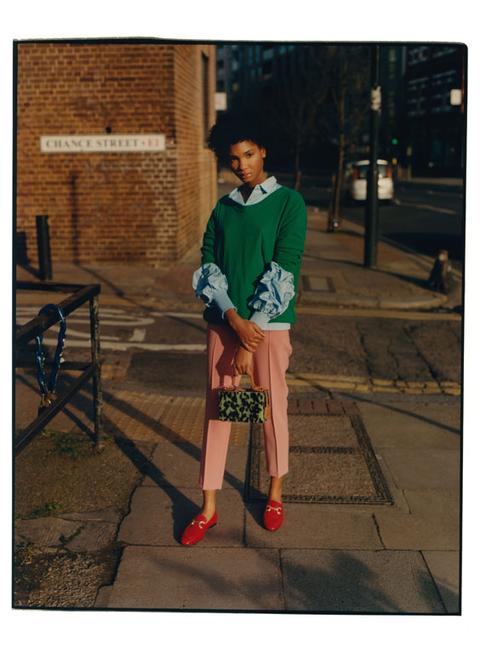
268	186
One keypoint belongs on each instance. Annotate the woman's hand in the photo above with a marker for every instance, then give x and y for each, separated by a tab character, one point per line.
243	362
249	333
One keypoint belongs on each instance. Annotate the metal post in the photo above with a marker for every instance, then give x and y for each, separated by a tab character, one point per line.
43	246
96	379
371	208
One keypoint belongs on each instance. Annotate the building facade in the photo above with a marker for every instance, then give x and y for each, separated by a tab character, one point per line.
113	204
434	126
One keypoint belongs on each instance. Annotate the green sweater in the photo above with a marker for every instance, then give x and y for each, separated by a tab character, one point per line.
243	240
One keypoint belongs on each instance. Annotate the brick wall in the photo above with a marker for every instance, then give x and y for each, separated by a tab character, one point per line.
113	206
195	164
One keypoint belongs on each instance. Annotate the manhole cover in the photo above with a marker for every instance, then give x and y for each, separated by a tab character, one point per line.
331	457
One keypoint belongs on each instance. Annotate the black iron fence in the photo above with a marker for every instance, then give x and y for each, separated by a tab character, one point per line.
90	370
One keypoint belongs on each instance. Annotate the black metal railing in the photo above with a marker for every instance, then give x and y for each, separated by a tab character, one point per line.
90	370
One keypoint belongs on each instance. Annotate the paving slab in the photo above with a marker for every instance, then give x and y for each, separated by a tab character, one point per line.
158	517
107	515
48	531
412	424
432	524
445	569
197	577
313	526
93	537
180	463
398	495
358	581
423	468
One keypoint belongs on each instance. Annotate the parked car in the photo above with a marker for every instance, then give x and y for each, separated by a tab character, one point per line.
356	180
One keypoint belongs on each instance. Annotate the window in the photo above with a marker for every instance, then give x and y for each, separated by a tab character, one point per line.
267	68
205	97
417	55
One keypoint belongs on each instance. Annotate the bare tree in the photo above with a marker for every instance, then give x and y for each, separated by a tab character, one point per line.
342	117
303	84
319	93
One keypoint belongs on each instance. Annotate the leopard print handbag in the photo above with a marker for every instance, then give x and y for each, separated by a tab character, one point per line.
244	405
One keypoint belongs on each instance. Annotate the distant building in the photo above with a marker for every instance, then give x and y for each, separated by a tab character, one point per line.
433	125
121	195
252	70
227	70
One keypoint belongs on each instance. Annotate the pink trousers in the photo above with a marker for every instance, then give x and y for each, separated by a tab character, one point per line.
270	363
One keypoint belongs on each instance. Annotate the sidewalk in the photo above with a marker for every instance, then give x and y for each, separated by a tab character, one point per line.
372	496
400	557
332	275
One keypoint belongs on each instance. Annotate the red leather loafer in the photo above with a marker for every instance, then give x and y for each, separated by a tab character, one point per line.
197	528
273	515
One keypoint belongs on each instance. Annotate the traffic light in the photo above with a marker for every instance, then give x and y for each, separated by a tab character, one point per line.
394	141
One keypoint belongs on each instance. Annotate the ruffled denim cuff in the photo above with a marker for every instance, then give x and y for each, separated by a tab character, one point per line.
210	285
274	292
260	319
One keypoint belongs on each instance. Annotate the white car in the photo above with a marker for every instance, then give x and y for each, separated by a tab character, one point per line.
356	179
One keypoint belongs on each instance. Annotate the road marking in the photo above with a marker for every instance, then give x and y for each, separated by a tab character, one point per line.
447	194
138	335
345	312
426	206
378	313
170	314
124	346
82	316
81	334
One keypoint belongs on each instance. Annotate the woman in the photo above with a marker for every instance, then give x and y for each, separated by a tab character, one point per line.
251	257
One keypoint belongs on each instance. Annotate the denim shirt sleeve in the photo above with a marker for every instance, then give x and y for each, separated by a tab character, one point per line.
210	285
273	294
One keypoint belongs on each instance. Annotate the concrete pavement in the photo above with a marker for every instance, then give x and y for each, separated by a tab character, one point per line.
327	557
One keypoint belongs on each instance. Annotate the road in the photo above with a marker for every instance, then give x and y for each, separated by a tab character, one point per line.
167	350
424	218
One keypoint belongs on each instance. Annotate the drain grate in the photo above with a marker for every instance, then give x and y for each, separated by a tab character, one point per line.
331	457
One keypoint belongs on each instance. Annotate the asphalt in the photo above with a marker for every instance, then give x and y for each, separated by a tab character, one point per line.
399	555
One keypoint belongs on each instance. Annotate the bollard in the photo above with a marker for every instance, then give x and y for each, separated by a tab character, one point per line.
332	221
43	246
439	279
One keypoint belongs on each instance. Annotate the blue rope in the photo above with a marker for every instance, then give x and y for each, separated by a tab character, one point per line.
40	356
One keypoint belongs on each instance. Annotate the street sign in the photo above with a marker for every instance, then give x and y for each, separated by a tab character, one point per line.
101	143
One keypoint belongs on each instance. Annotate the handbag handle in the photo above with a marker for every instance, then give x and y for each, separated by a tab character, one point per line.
250	376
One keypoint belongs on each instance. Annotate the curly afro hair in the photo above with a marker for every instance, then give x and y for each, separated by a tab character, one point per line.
231	130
